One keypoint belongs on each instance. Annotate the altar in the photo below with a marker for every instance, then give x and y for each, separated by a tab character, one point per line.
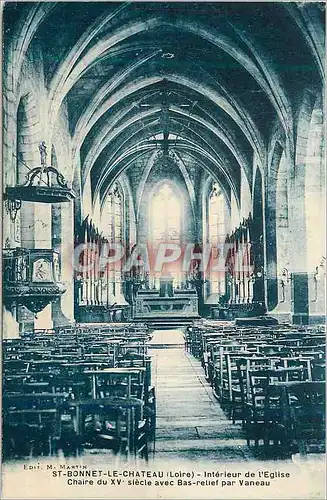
167	302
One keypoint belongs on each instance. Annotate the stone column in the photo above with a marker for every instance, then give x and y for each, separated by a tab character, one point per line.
42	239
27	236
271	250
63	243
317	293
297	239
315	211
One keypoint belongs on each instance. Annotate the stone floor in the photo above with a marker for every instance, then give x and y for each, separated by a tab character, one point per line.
190	422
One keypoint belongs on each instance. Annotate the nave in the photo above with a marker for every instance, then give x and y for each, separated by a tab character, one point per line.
163	183
190	423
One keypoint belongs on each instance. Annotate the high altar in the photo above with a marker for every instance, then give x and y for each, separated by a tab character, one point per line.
167	302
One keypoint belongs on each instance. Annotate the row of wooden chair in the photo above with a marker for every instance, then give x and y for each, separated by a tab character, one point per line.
269	379
77	389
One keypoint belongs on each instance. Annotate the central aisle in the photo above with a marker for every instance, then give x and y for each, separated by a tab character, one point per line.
190	423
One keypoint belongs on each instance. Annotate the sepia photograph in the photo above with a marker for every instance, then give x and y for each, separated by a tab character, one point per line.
164	255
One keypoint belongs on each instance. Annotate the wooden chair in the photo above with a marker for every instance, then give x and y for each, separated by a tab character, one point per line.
303	410
318	370
263	415
113	423
32	423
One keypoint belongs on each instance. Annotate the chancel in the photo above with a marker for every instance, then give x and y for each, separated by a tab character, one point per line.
163	229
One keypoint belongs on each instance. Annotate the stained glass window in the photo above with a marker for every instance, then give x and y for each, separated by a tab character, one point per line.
166	214
217	233
115	234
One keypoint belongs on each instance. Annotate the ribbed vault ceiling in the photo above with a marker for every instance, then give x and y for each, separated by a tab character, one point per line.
215	76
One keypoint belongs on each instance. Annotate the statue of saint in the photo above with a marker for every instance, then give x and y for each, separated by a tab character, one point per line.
43	154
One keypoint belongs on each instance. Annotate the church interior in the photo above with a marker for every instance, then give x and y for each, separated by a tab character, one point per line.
163	230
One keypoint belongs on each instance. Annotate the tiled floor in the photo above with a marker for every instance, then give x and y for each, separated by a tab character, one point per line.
190	422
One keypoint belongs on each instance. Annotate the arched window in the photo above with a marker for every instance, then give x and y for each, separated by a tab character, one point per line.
217	232
166	216
217	209
114	214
